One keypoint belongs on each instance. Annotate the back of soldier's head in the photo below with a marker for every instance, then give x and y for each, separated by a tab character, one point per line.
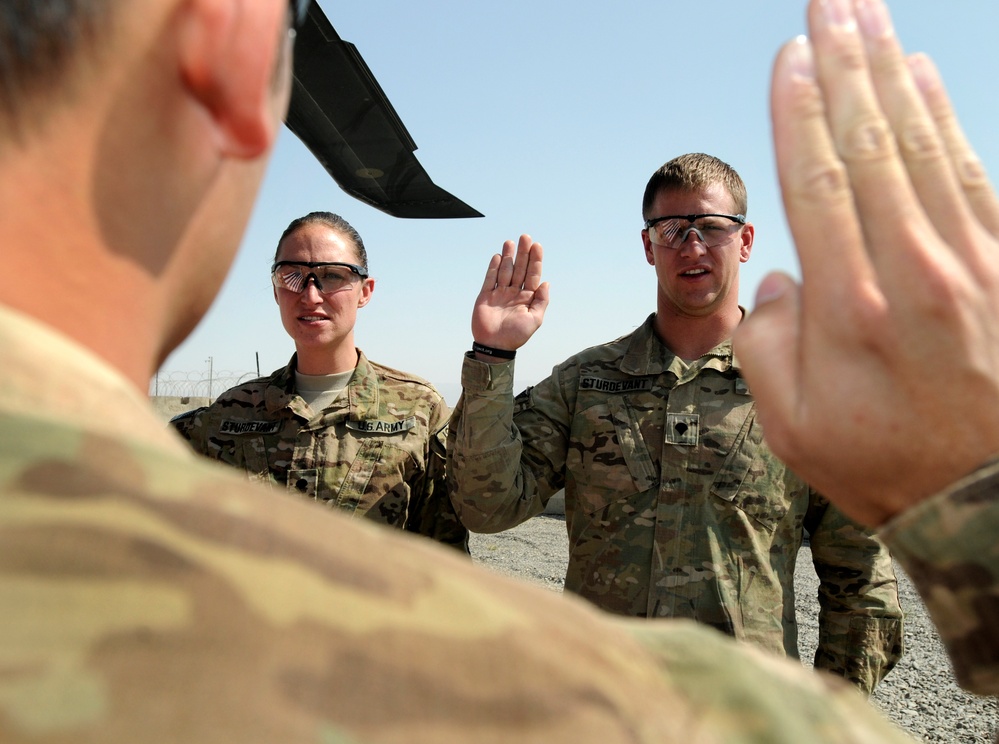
42	45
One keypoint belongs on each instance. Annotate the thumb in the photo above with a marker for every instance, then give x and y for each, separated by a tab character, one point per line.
767	344
539	303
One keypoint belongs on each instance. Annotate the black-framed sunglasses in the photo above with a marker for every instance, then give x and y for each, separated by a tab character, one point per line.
328	276
299	9
671	231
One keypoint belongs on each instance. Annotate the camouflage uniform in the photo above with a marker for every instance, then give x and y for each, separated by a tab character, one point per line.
949	546
674	506
376	452
147	595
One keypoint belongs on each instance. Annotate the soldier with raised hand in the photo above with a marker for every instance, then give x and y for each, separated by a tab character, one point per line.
877	378
674	505
333	425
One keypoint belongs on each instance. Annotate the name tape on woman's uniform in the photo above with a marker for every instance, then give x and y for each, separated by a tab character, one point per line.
236	427
374	426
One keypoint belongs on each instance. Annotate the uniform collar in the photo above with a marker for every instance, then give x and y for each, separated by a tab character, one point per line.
360	396
49	375
646	354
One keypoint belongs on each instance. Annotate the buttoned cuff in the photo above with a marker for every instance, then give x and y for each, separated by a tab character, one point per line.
484	378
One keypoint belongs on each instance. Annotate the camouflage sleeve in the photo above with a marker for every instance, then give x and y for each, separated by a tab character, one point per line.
949	549
741	692
190	425
860	619
495	484
431	512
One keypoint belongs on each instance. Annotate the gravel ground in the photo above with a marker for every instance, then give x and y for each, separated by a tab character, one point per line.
919	695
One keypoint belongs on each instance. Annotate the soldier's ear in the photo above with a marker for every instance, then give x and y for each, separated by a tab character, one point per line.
650	254
746	246
229	54
367	289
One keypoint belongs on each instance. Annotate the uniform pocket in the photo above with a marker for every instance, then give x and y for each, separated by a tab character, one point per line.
253	452
608	457
342	474
377	483
752	479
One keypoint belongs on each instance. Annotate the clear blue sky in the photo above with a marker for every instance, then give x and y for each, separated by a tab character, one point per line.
549	117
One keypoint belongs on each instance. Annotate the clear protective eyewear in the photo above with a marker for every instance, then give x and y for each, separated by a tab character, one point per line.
671	231
329	277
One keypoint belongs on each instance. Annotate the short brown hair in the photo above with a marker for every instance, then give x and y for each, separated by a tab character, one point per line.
693	172
40	44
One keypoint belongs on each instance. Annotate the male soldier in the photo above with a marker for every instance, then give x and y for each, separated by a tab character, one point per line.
674	506
333	425
147	595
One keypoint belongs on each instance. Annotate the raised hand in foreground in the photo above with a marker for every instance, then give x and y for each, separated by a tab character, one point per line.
877	379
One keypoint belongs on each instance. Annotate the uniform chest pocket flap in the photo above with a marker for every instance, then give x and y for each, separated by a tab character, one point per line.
242	444
609	456
253	452
343	479
627	424
749	479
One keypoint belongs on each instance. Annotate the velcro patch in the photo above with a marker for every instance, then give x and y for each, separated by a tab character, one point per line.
374	426
615	386
682	428
234	426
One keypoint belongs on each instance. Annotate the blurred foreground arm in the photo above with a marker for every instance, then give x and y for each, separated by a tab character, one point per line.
877	380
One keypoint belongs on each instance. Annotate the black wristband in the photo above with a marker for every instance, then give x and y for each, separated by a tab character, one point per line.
498	353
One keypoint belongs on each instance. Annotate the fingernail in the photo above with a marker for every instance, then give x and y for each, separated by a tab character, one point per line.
771	288
923	72
874	19
800	59
839	14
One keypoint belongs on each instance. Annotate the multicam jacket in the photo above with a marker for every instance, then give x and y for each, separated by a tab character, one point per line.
949	546
148	595
674	506
376	452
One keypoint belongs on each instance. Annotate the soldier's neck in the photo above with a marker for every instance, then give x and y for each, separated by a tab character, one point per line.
326	361
691	337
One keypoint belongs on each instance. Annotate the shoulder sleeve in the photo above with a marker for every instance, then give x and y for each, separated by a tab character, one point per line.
506	457
190	426
738	692
949	547
432	512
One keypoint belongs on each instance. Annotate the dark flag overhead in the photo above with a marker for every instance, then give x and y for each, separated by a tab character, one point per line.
342	115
